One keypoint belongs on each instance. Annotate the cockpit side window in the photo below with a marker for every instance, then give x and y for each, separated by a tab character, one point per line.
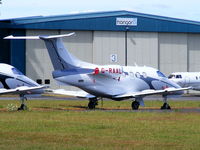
16	71
178	76
160	74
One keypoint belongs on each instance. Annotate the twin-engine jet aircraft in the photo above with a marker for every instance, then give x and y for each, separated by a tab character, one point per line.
12	81
186	79
105	81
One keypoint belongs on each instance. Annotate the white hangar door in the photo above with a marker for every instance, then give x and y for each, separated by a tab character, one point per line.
38	64
108	47
173	52
142	48
194	52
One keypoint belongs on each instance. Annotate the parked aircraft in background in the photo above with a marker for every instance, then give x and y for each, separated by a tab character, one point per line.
12	81
105	81
186	79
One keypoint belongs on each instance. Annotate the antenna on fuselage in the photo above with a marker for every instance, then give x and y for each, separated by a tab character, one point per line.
135	64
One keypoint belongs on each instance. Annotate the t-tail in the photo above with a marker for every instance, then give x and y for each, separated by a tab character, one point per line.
59	55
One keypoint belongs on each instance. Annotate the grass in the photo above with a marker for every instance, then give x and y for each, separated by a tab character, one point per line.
52	125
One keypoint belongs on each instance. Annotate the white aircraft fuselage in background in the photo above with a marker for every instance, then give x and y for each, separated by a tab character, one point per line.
186	79
105	81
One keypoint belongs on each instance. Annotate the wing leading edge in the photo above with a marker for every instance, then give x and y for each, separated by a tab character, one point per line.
22	90
166	91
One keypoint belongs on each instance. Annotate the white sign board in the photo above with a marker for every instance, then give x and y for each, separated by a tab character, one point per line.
113	58
126	21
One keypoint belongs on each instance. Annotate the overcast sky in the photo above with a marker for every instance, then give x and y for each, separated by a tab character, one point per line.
184	9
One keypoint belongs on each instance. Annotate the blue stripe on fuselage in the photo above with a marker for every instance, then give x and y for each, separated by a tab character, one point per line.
149	81
75	71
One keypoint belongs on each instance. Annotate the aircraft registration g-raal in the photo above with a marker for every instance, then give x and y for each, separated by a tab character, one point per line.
12	81
105	81
186	79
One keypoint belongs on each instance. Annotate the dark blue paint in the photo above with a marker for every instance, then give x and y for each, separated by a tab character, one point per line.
105	21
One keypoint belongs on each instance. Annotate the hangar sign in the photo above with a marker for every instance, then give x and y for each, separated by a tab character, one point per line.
126	21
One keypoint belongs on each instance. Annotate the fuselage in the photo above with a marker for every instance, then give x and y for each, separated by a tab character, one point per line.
186	79
11	78
112	80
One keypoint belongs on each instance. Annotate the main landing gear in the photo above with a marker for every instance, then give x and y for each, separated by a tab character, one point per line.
137	102
165	104
92	103
135	105
23	105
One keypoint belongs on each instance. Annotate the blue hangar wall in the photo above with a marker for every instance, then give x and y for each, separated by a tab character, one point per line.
13	52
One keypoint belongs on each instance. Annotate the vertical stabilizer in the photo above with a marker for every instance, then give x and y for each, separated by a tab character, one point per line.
60	57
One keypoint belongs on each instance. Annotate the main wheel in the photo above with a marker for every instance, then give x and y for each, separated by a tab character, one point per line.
91	105
135	105
165	106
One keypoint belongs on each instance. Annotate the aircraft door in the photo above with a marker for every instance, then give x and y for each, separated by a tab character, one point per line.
187	81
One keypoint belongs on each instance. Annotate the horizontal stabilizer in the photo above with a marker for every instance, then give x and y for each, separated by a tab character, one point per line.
38	37
21	37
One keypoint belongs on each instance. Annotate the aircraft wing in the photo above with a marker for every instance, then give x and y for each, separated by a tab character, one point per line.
22	90
166	91
80	94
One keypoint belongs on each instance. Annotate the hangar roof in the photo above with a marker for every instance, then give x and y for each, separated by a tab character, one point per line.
106	21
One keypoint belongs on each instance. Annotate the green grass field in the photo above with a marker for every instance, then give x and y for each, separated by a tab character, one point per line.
49	125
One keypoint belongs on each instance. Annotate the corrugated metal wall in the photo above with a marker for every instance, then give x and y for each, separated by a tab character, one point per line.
173	52
194	52
143	48
108	43
170	52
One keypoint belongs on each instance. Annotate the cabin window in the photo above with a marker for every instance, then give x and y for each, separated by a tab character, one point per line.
46	81
144	74
131	74
39	81
137	74
196	78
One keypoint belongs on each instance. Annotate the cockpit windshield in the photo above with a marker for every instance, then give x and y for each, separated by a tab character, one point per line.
171	76
16	71
160	74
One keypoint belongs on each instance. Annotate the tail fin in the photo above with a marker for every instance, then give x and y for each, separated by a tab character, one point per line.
60	57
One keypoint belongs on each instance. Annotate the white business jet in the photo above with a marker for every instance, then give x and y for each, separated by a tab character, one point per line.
105	81
186	79
12	81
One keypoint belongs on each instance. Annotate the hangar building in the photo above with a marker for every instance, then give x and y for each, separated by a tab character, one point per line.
114	37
